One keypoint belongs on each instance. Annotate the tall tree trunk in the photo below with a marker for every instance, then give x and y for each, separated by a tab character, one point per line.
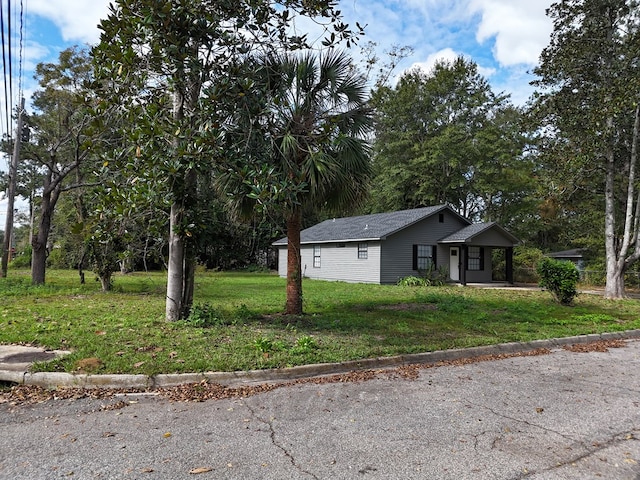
39	255
11	194
105	282
175	274
41	239
615	284
294	264
617	250
613	287
181	267
39	243
189	281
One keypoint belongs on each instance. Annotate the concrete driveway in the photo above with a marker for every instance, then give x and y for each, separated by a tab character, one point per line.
564	415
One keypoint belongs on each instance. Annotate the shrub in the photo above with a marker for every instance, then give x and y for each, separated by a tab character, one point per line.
304	344
263	345
243	313
204	315
431	277
412	281
560	278
525	261
436	277
23	260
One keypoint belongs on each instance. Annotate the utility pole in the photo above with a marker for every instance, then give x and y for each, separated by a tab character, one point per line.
11	193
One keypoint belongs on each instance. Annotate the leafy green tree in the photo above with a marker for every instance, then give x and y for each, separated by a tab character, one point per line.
311	122
445	137
61	140
174	68
503	186
589	105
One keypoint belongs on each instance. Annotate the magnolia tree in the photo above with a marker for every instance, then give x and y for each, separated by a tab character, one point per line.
176	70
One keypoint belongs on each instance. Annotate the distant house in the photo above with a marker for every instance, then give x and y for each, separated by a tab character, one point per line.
385	247
575	255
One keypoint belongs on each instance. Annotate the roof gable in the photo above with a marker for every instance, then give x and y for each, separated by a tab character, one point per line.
376	226
468	233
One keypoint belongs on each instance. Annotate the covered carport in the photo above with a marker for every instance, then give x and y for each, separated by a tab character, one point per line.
470	252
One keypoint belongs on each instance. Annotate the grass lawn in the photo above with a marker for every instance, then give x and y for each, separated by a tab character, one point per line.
237	323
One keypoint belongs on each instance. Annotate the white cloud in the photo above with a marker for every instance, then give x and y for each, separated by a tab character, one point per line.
444	55
33	54
520	27
76	19
448	55
502	36
486	72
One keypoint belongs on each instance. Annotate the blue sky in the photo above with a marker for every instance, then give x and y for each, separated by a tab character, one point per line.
504	37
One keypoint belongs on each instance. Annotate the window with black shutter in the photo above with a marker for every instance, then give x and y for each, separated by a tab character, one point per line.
475	258
424	257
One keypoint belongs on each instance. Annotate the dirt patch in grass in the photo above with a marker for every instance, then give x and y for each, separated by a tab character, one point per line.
284	319
409	307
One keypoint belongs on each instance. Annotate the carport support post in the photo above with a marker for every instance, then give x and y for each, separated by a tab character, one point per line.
463	264
508	257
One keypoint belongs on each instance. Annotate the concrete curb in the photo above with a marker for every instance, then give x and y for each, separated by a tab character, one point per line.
281	375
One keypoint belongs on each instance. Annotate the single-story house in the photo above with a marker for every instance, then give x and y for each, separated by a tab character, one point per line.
385	247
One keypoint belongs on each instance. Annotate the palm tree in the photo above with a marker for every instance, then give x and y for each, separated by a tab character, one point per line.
314	118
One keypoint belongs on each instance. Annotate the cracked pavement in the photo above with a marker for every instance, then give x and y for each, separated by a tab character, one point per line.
565	415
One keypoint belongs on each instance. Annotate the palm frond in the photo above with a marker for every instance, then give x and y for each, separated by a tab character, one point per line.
315	117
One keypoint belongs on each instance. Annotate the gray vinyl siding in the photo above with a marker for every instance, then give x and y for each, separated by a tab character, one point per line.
337	263
491	238
482	276
397	250
391	258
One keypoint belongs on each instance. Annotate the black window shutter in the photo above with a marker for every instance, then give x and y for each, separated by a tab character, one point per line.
482	258
434	252
415	257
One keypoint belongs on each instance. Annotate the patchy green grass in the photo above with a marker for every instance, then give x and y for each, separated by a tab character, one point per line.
239	326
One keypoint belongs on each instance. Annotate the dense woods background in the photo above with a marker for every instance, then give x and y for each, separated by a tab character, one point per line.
182	136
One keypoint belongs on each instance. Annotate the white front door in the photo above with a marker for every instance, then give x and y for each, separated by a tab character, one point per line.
454	264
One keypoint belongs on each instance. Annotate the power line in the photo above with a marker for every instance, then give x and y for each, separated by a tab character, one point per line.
10	57
21	49
4	68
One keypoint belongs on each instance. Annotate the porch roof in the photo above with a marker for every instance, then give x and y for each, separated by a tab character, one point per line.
470	232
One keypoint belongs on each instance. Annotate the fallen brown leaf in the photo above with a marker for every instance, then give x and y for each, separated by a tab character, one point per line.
598	346
198	470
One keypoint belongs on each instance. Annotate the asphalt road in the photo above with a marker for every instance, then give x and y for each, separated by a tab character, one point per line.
564	415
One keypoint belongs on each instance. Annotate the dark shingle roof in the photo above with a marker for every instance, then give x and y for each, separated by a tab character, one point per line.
467	233
573	253
365	227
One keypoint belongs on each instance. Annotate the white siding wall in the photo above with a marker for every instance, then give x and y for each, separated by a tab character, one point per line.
342	263
337	263
282	261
